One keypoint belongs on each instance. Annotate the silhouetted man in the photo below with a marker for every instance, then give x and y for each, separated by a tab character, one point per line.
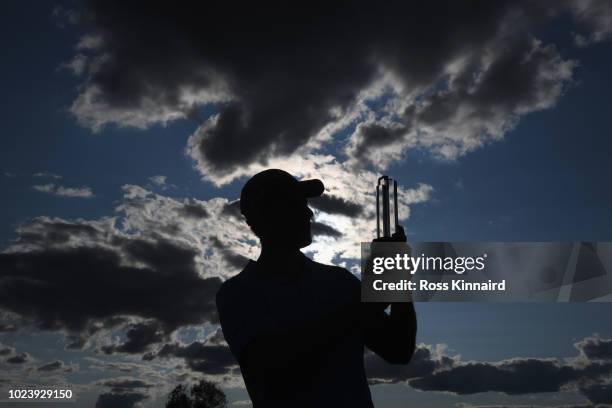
298	327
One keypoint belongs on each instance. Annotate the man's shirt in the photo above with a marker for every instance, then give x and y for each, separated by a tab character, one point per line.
317	308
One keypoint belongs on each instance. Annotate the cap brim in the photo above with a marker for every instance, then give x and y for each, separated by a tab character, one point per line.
311	188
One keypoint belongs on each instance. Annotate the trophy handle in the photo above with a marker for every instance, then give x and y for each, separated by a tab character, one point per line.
395	207
382	189
377	211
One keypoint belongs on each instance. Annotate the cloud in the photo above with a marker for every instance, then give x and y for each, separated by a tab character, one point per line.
192	209
8	327
208	359
598	393
335	205
289	89
77	65
595	17
6	350
161	182
76	192
20	358
124	384
45	286
139	337
65	16
319	228
152	267
155	242
233	209
351	190
211	357
587	373
242	403
425	361
160	259
47	175
158	180
432	369
234	259
515	376
477	104
120	400
595	348
57	365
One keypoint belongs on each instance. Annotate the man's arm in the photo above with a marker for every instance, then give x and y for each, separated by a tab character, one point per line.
391	336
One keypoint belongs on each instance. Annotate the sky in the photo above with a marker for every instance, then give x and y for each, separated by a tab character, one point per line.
128	132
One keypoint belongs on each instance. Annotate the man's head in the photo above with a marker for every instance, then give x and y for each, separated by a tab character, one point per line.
275	205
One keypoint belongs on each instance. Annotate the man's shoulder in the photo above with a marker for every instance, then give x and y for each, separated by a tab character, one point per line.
233	286
334	273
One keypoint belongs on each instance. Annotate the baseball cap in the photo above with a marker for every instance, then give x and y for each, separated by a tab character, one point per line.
274	186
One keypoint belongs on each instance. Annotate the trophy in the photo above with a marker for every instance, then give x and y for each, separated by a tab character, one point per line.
383	197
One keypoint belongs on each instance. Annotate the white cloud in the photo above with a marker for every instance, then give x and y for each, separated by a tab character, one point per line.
77	65
45	174
74	192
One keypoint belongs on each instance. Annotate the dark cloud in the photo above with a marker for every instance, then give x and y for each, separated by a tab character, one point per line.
57	231
53	366
216	338
139	337
318	228
8	327
477	105
109	365
192	209
119	400
335	205
514	376
233	209
124	385
87	286
209	358
277	73
56	365
5	350
422	363
429	371
598	393
371	136
19	358
233	259
594	21
596	348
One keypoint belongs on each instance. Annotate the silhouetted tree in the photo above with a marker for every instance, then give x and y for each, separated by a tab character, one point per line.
178	398
204	394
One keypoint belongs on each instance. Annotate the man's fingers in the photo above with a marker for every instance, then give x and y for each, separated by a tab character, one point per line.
399	235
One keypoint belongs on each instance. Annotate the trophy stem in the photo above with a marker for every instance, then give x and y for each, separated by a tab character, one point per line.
383	188
395	207
377	212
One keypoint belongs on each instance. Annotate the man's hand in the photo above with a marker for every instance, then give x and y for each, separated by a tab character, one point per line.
397	236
